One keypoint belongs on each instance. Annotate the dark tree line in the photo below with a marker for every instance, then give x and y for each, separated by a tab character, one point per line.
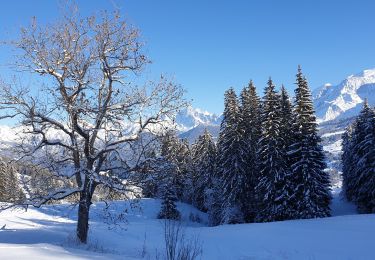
10	188
268	164
358	160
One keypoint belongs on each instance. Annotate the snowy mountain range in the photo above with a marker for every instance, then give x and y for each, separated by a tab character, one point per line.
190	118
335	106
344	100
191	122
333	103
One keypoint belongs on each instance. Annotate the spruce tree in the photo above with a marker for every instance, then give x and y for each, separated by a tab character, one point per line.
185	171
250	128
286	122
168	207
204	160
177	153
15	193
231	158
311	196
214	200
10	190
3	181
273	186
348	164
363	149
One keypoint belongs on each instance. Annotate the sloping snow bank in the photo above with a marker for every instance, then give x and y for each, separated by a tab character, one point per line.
48	233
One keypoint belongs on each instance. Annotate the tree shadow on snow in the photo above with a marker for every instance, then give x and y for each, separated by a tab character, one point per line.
40	231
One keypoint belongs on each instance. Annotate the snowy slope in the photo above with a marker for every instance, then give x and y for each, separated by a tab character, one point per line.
48	234
344	100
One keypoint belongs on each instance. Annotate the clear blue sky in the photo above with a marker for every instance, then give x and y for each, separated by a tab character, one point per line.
209	46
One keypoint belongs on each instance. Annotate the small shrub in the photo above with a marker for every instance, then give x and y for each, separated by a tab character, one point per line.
177	245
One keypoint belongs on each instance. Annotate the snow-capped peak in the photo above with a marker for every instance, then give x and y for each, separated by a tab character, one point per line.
190	117
344	99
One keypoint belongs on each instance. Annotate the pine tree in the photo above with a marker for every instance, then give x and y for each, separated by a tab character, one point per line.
348	163
249	127
186	171
286	122
3	181
362	184
204	160
10	190
273	186
15	193
311	194
151	172
231	158
170	181
177	153
168	208
214	200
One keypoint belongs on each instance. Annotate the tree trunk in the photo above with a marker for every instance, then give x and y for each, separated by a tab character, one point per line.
83	217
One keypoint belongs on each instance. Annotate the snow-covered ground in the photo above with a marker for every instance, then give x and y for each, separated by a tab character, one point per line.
48	233
333	148
333	134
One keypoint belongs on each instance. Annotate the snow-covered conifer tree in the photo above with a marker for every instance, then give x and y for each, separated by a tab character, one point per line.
348	164
10	190
286	121
360	181
168	207
273	186
204	160
3	181
311	193
177	153
231	158
250	129
15	193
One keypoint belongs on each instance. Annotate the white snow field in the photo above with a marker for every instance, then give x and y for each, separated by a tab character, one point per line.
48	233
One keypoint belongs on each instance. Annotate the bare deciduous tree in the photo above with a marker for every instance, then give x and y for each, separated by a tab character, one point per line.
85	118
